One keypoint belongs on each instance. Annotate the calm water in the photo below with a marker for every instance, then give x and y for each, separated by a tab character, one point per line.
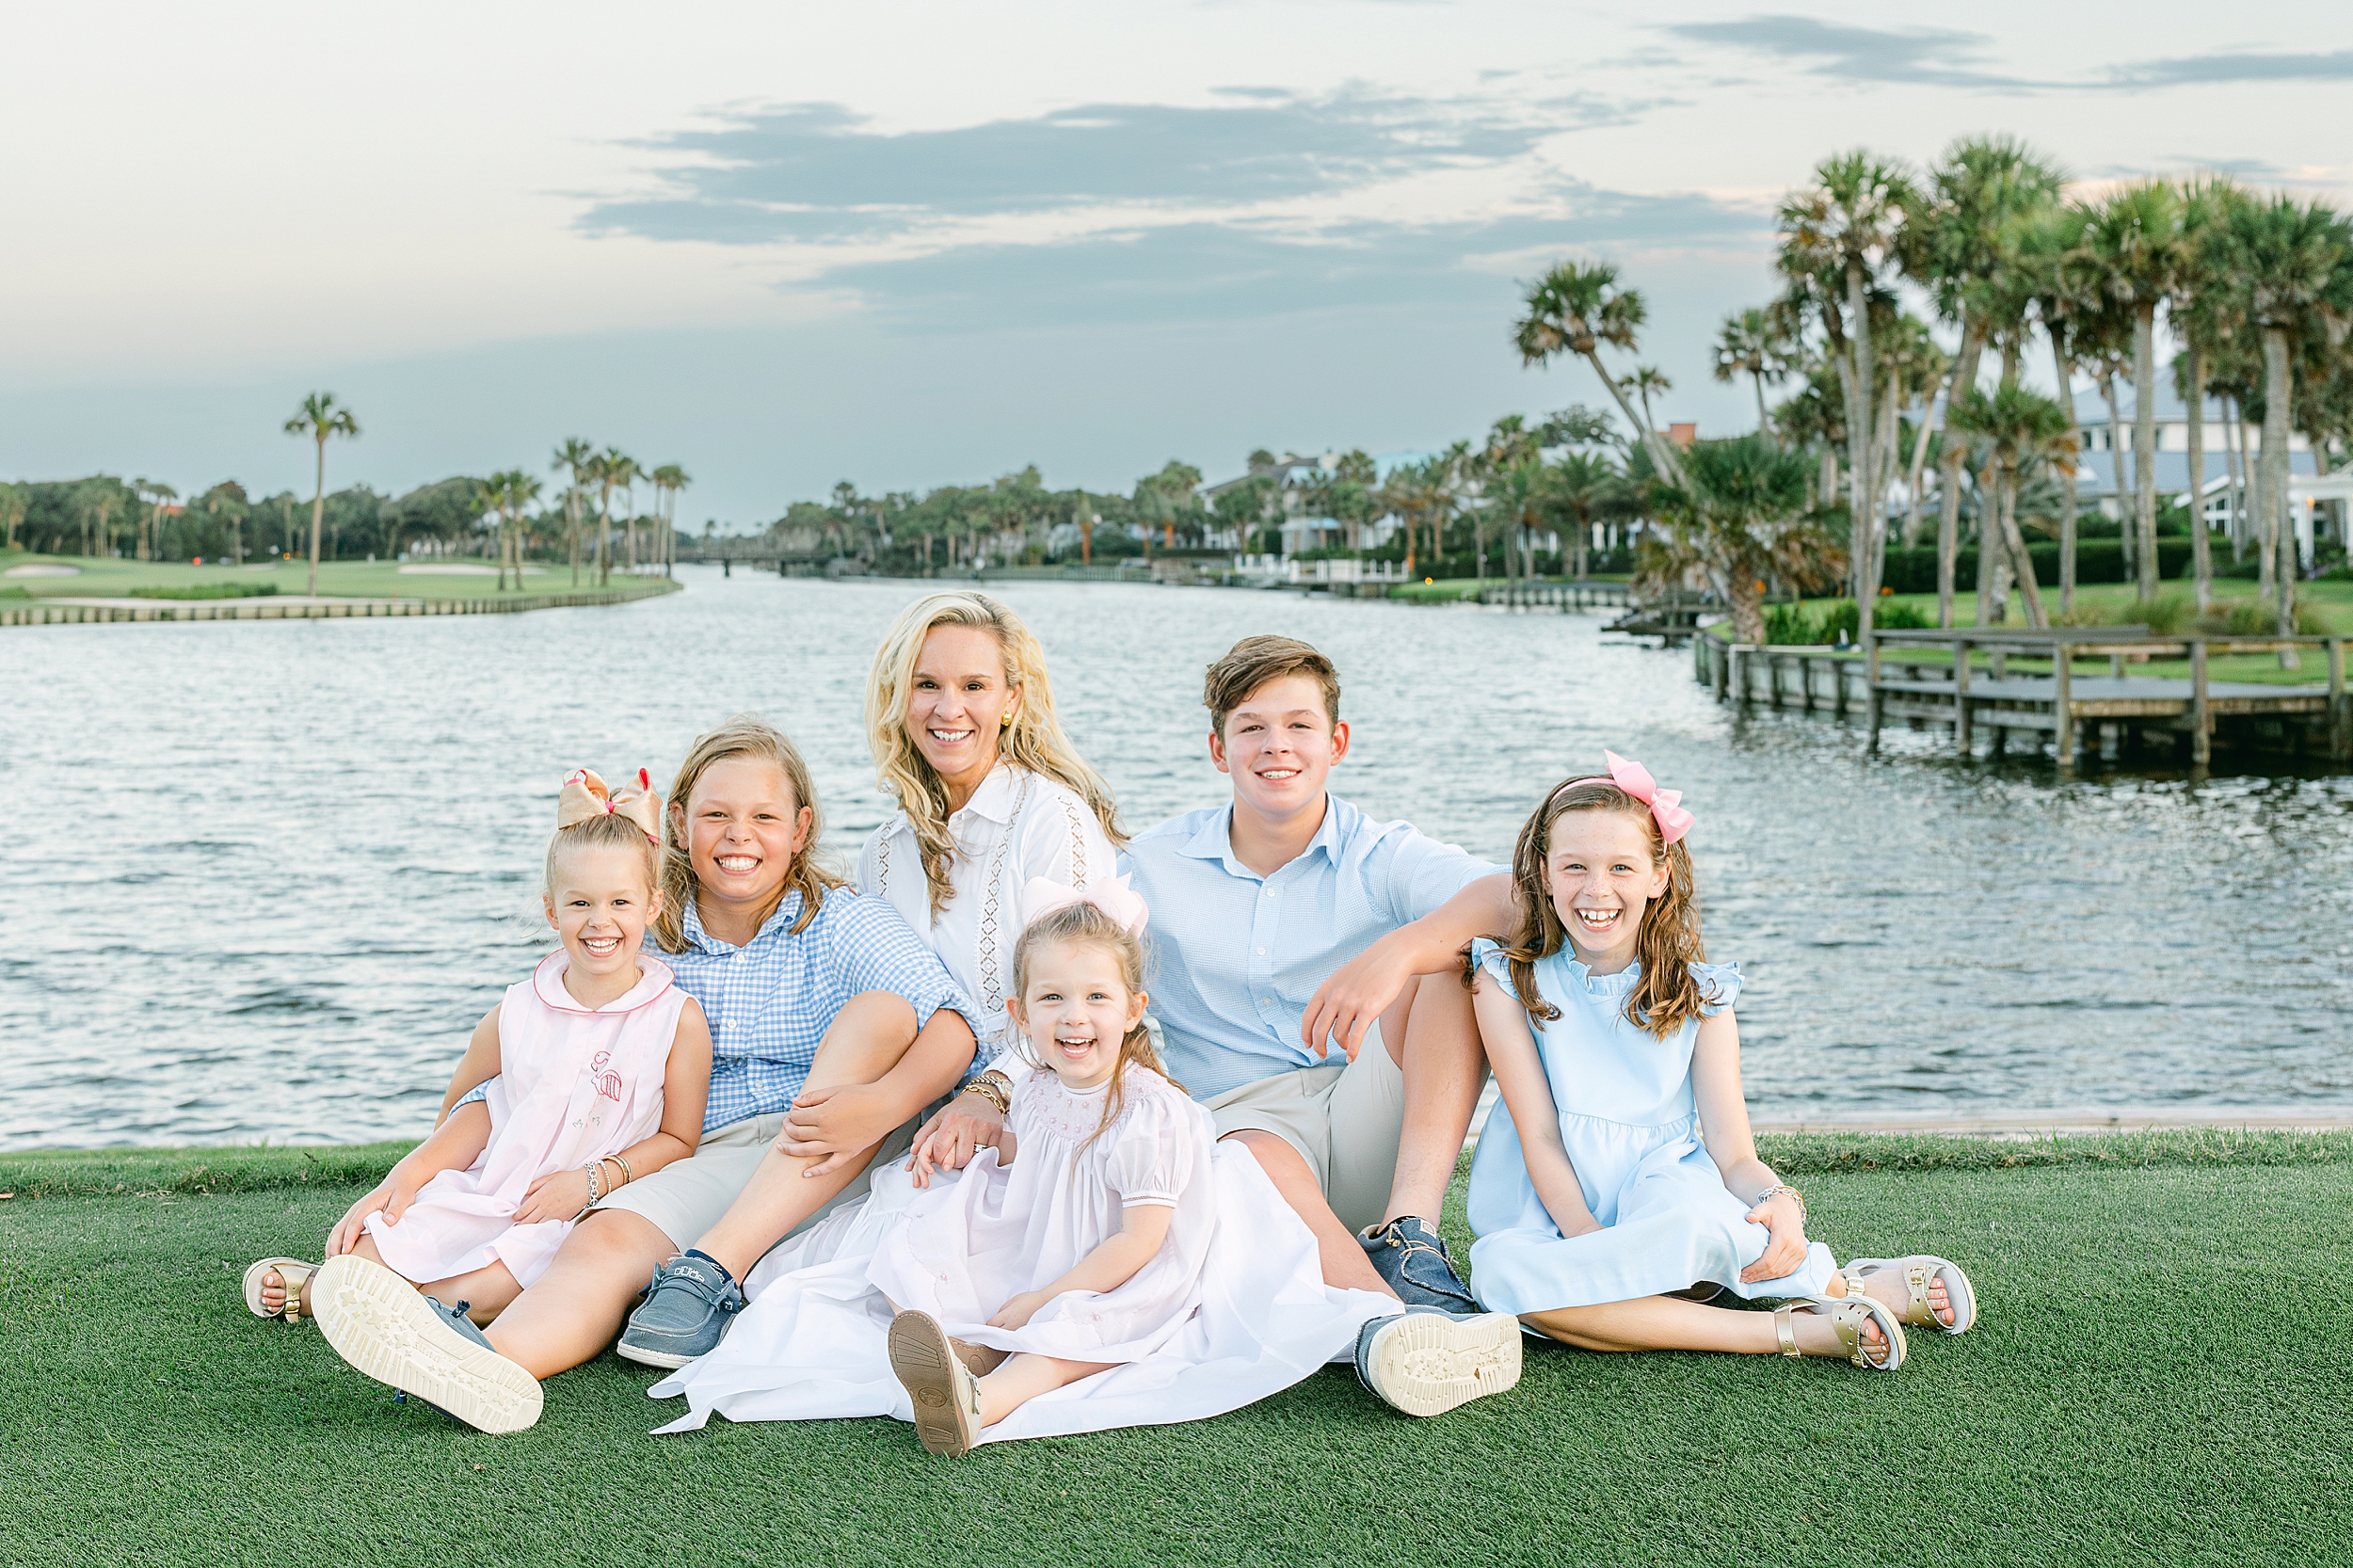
262	878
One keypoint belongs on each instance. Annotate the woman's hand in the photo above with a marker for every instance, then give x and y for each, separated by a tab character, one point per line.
964	1127
1017	1312
836	1125
557	1195
392	1198
1784	1216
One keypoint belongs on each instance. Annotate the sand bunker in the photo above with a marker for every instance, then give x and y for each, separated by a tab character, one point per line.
42	568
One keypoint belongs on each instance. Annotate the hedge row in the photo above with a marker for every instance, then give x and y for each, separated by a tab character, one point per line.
1913	571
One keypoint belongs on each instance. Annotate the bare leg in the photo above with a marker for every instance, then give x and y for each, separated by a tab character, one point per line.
572	1311
487	1291
274	1287
1433	1036
869	1037
1346	1267
1664	1323
1023	1378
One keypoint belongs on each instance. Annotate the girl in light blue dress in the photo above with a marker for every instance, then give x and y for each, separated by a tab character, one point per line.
1619	1172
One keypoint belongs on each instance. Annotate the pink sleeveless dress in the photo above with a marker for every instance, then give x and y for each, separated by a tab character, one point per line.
574	1083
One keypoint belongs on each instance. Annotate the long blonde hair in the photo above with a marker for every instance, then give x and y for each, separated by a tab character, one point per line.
1667	995
741	736
1034	739
1085	925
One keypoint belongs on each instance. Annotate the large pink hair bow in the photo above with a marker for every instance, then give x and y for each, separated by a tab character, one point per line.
585	796
1666	805
1044	896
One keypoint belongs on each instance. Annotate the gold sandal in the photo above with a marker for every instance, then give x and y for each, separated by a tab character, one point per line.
293	1273
1848	1316
1920	1271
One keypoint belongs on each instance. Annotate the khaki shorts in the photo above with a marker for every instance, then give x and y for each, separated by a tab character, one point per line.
1344	1119
687	1197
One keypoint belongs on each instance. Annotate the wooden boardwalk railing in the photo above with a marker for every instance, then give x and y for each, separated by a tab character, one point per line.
40	612
1942	684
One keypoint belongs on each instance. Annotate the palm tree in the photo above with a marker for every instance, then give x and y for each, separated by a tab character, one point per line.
574	457
1750	344
2134	243
2046	259
2203	320
1966	234
1741	519
668	480
1645	380
1841	235
320	417
157	496
1577	307
2292	265
610	468
15	501
2024	430
1586	487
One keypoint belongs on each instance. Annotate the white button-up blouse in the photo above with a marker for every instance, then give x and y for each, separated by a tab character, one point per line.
1018	825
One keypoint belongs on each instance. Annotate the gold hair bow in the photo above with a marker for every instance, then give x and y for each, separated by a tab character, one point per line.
585	796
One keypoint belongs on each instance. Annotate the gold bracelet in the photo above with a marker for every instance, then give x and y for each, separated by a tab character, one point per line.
628	1175
990	1087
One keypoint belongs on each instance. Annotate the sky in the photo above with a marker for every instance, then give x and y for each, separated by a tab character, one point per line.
911	244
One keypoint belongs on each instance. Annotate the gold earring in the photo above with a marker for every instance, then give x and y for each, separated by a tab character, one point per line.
1004	720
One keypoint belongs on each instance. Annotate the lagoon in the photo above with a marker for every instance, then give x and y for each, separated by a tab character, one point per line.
262	877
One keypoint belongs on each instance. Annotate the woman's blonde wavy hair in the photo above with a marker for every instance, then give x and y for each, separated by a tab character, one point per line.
1034	739
757	739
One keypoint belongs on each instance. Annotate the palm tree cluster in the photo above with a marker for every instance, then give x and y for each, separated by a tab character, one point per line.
1502	505
2256	288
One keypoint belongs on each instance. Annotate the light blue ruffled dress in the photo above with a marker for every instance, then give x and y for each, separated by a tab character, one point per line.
1631	1127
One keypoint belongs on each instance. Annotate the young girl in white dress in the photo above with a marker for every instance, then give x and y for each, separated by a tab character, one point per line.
1105	1264
602	1065
1619	1171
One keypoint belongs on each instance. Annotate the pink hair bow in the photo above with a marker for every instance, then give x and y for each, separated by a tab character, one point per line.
1044	896
585	796
1666	805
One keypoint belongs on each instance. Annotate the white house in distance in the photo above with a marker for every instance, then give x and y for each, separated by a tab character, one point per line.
2317	506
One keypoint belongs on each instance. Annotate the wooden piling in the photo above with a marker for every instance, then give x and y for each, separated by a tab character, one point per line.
2340	710
2200	719
2063	708
1960	696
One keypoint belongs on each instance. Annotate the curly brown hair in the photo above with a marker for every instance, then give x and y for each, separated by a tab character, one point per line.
1667	996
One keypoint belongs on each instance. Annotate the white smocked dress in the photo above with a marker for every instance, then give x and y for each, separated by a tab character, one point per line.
574	1083
1631	1127
1232	1308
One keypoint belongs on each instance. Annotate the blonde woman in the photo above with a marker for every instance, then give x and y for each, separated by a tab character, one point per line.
960	715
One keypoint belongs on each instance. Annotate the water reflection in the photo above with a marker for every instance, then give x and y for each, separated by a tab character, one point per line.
265	876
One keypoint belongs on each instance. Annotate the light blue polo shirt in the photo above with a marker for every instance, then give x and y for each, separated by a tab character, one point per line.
1235	957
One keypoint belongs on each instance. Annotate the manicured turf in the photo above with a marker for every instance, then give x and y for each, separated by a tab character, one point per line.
2160	1377
109	578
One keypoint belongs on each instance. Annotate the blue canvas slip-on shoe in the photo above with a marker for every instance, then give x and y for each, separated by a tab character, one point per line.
688	1309
1412	1260
1425	1362
379	1323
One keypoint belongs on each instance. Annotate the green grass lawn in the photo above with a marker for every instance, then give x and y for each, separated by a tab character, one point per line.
2158	1378
113	579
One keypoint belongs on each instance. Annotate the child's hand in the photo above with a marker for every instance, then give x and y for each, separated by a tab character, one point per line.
557	1195
391	1198
1017	1312
1785	1217
837	1124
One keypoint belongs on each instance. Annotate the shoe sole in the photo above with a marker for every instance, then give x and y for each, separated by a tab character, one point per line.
379	1323
1425	1364
669	1359
919	1358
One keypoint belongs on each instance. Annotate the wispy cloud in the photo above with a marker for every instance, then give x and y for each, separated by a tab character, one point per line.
819	172
2235	66
1934	55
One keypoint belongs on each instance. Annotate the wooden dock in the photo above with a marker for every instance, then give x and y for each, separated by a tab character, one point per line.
1564	597
2062	704
64	611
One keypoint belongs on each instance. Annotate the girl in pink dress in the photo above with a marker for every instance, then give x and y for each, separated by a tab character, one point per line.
602	1065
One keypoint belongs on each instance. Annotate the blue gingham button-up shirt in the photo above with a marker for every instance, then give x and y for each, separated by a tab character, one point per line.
770	1001
1235	957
